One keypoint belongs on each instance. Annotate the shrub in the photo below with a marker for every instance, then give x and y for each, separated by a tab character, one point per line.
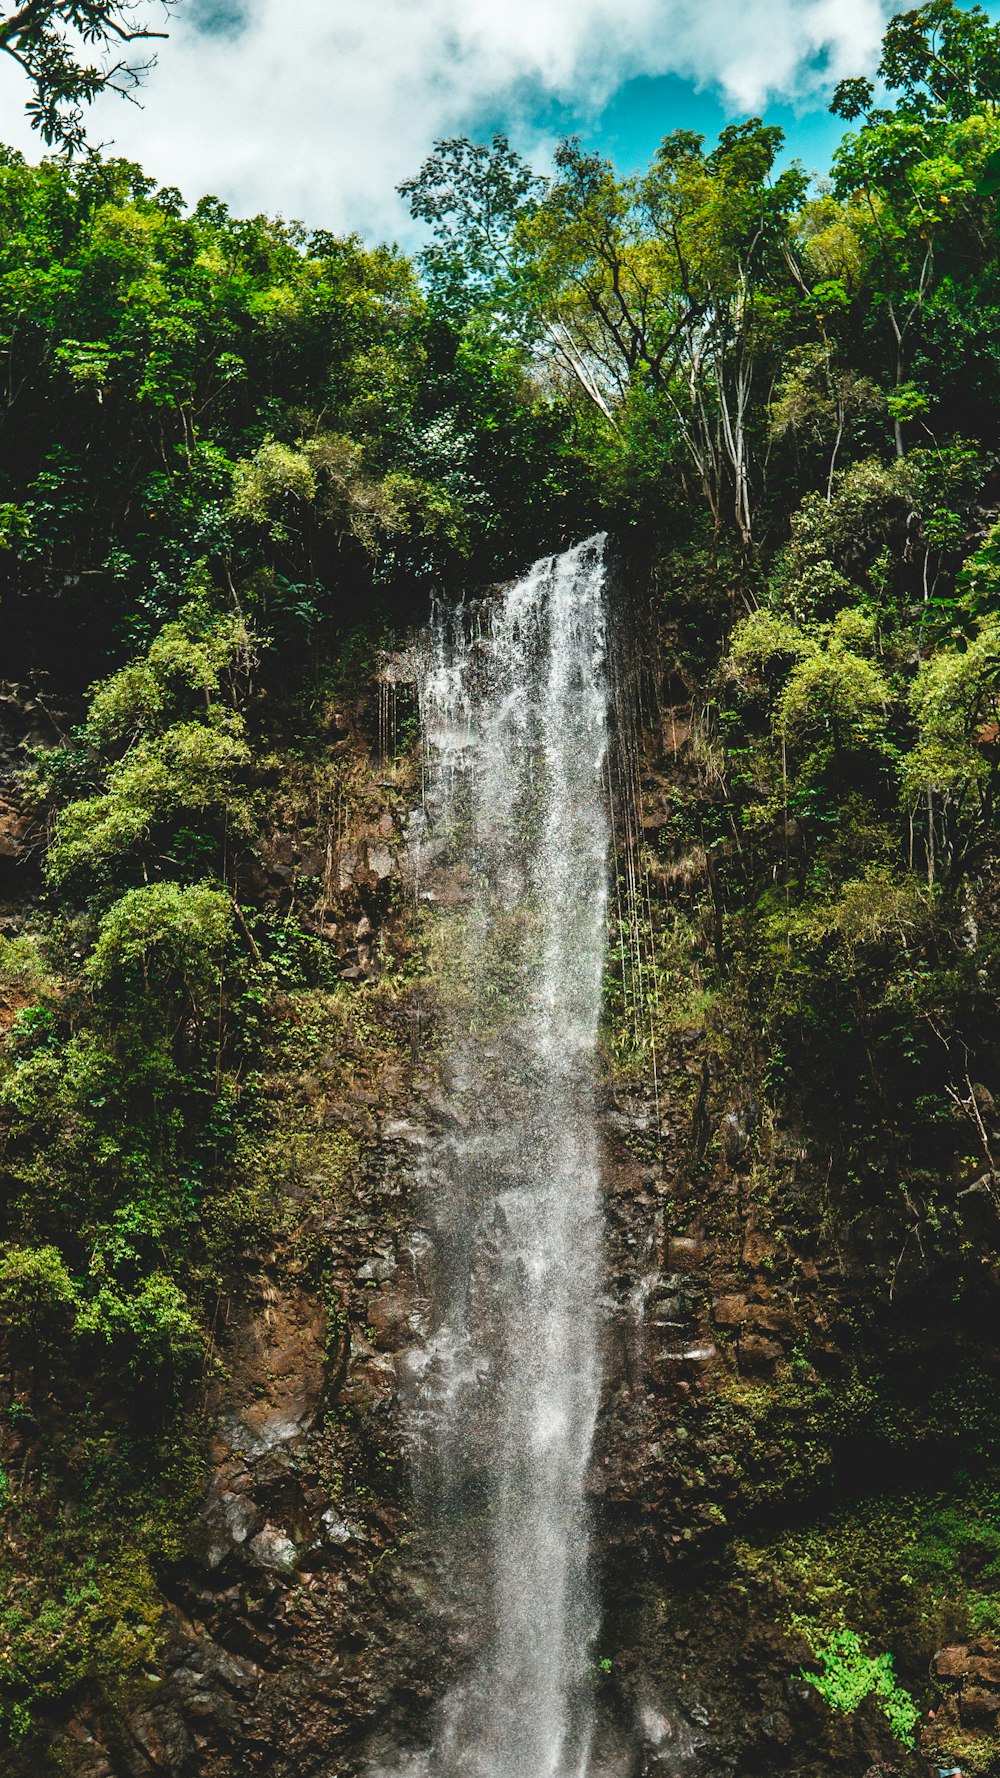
36	1291
268	487
188	660
162	936
192	766
848	1676
153	1327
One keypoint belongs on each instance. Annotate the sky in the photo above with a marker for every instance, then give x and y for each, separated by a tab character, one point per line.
318	108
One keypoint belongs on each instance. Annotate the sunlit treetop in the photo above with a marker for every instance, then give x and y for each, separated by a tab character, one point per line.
937	56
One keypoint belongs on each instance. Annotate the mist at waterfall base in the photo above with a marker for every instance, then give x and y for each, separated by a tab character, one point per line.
510	859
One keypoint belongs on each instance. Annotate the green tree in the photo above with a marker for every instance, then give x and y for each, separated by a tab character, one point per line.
472	195
954	768
660	283
668	280
913	176
42	37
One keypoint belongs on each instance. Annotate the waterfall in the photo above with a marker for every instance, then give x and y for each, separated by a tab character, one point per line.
511	862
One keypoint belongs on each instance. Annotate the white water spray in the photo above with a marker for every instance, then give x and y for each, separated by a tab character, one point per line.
515	833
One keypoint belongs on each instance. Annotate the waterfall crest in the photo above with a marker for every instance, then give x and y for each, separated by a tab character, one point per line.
513	704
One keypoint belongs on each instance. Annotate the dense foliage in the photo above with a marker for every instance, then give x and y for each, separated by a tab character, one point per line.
793	395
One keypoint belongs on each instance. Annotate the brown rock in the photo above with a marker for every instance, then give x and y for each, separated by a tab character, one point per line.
312	861
347	864
951	1662
388	1316
729	1311
977	1707
985	1669
280	1358
163	1738
228	1520
671	1366
273	1548
757	1248
757	1354
770	1317
684	1252
381	862
14	826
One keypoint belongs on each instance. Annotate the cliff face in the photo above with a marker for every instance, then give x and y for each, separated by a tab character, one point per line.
797	1420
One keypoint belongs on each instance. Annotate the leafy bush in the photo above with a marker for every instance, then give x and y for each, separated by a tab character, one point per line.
268	487
153	1327
37	1294
162	937
192	766
187	664
848	1676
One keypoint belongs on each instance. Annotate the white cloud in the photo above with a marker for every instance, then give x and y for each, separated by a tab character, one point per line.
317	108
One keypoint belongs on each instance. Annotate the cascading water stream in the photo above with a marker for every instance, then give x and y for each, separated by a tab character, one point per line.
514	835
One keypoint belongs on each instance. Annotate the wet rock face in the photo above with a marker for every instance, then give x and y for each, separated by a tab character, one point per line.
671	1743
969	1676
719	1307
302	1634
293	1623
303	1637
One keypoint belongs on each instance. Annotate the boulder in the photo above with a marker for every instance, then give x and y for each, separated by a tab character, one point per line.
273	1548
162	1742
978	1706
757	1354
951	1662
985	1670
228	1521
729	1311
685	1252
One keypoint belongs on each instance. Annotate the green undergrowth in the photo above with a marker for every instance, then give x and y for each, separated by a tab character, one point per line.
847	1676
904	1572
94	1513
875	1587
912	1568
182	1072
773	1444
659	984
